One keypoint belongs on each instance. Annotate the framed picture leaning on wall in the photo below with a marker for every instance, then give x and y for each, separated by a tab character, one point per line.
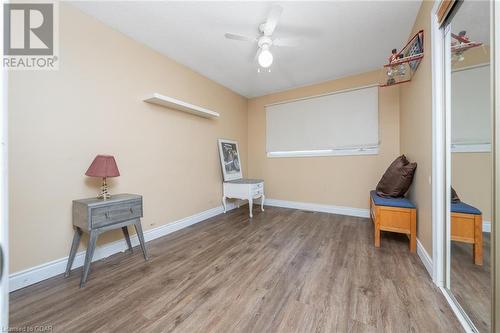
230	159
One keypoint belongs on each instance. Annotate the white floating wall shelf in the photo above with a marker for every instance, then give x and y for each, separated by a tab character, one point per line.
176	104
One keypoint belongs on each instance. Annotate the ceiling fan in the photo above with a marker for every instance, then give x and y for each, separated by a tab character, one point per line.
265	41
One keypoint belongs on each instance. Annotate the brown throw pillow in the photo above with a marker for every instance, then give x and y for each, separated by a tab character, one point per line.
454	196
397	179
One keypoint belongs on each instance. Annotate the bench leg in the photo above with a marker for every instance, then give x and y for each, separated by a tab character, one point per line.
371	207
377	234
376	222
413	231
478	240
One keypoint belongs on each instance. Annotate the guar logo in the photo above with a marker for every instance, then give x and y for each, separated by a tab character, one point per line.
29	36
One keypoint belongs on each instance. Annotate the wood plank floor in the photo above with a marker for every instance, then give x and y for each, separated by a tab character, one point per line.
286	271
471	284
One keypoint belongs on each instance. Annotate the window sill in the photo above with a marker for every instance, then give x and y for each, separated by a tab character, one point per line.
471	148
328	152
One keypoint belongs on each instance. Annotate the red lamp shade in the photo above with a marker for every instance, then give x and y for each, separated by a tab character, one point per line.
103	166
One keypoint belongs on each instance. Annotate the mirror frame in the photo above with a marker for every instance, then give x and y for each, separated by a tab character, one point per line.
441	156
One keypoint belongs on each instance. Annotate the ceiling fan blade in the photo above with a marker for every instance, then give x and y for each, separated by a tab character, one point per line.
272	20
286	42
240	37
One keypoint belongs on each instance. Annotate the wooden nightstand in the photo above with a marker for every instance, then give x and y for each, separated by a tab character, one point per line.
96	216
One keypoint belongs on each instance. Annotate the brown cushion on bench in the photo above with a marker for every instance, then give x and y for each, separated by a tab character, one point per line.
454	196
397	179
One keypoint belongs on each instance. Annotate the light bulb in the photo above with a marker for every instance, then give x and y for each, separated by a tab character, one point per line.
402	70
265	58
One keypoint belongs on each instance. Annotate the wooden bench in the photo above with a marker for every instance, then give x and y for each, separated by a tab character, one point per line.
467	227
394	215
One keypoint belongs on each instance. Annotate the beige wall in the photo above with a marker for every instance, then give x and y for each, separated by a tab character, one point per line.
416	129
60	120
473	57
471	178
336	180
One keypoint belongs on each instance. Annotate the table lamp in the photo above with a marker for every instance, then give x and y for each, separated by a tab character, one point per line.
103	166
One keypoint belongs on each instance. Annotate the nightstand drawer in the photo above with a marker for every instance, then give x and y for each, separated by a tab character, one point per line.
257	191
258	186
116	213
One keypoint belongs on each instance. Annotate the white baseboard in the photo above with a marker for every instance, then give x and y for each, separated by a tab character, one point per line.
486	226
425	258
358	212
50	269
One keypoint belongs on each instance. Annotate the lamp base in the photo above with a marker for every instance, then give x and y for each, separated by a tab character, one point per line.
104	191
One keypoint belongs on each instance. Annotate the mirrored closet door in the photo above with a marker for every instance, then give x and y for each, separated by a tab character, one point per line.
469	156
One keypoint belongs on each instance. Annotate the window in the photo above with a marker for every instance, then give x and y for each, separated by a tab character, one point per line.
339	123
471	123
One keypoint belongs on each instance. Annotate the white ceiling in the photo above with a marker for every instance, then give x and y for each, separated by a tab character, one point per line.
337	38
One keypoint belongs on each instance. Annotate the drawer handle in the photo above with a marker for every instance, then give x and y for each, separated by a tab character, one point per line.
131	210
107	215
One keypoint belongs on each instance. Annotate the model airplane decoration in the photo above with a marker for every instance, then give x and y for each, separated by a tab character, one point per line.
403	64
397	69
265	40
461	44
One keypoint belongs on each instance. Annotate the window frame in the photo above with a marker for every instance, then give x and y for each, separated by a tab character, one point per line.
353	151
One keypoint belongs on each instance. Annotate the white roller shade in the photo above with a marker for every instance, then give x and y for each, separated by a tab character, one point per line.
470	106
342	120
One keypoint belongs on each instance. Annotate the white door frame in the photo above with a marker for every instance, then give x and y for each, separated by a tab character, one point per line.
4	232
438	152
495	232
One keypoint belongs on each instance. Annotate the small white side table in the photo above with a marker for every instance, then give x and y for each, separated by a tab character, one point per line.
245	189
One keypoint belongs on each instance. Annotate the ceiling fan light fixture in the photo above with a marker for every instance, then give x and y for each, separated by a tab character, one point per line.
265	58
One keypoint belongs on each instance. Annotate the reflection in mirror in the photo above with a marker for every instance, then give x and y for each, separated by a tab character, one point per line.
471	173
